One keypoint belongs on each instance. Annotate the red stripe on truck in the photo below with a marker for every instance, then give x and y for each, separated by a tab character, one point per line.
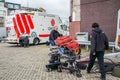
25	24
16	29
20	23
44	35
30	21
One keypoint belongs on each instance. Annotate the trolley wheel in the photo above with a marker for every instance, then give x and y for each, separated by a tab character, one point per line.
77	51
59	69
78	73
48	69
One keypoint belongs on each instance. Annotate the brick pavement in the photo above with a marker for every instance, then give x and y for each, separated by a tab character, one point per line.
18	63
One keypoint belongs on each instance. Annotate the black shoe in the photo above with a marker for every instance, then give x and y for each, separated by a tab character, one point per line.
103	78
88	72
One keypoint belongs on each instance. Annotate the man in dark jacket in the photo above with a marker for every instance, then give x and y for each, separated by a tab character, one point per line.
53	35
99	43
26	41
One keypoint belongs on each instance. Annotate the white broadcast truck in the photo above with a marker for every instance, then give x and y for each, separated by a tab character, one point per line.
35	25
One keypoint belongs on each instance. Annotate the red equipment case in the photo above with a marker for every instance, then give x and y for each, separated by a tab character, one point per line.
67	42
62	40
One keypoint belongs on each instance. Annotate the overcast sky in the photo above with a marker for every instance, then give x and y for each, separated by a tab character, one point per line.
59	7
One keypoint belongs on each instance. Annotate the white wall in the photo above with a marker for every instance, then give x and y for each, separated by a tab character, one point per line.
76	10
3	32
3	14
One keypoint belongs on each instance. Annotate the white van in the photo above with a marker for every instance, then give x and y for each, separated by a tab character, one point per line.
36	25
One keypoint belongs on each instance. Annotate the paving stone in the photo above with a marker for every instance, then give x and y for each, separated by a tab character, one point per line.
18	63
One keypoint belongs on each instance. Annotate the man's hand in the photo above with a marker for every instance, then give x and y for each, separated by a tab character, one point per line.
94	53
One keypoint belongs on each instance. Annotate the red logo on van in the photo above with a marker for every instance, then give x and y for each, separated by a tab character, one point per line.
52	22
22	24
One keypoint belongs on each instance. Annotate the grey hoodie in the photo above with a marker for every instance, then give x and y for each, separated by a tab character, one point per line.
99	41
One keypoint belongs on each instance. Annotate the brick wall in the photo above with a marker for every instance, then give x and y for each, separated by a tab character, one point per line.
102	11
74	27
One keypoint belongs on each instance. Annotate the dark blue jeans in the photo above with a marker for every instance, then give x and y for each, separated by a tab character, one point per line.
52	42
100	57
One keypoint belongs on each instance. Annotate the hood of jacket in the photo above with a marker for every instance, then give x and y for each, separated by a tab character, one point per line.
97	30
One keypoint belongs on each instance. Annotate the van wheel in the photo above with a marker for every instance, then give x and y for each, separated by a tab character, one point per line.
36	41
21	44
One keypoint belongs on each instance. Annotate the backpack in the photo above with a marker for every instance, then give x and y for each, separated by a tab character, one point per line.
116	71
102	38
105	41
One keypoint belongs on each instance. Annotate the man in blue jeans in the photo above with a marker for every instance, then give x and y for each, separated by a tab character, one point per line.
99	43
53	35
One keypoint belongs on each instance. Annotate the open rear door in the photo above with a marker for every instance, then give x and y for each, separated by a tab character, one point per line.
117	42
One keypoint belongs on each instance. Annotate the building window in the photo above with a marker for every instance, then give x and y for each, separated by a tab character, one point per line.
2	0
2	4
1	21
1	25
73	16
10	6
16	6
2	13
